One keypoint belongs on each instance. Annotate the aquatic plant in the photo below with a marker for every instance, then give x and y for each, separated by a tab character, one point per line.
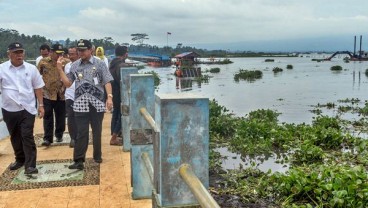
156	77
215	70
277	69
322	172
248	75
336	68
140	67
289	66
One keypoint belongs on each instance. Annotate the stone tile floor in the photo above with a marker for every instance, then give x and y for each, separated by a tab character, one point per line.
113	190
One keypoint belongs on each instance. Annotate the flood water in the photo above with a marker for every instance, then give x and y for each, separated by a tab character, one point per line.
293	92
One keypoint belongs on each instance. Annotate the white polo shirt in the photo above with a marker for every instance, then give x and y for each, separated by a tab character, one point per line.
17	86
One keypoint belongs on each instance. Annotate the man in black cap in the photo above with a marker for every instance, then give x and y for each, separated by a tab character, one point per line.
53	96
91	77
19	82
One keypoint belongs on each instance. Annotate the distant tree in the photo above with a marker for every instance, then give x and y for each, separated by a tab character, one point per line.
139	37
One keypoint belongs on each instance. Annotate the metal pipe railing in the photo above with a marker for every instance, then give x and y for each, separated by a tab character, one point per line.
148	164
149	119
199	191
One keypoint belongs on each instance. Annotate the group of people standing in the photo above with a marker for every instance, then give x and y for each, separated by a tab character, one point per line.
79	85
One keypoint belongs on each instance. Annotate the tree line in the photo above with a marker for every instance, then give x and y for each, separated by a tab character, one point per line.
33	42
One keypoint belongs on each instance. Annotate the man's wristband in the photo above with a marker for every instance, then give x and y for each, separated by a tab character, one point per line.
40	105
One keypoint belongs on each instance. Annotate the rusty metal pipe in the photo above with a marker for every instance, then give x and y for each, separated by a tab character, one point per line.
199	191
148	164
149	119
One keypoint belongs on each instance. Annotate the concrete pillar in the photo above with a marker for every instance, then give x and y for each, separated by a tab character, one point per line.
125	102
141	134
183	120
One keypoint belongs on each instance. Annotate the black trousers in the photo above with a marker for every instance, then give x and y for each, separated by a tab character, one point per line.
51	107
20	126
81	144
72	127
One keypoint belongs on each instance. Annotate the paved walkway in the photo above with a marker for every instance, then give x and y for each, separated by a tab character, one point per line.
113	191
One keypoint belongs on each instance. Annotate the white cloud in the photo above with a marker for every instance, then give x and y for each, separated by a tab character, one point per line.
189	21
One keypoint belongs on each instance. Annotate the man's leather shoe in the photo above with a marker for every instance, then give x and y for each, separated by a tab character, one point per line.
46	143
15	165
30	170
72	143
77	165
59	139
98	160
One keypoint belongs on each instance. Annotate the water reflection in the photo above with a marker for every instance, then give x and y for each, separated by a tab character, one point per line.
235	161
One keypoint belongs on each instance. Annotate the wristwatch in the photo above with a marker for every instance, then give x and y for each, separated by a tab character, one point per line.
109	95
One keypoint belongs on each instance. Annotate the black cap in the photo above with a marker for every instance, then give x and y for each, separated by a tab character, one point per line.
57	48
121	50
16	46
84	44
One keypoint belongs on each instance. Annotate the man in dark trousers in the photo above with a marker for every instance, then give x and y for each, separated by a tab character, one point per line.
53	96
19	82
91	76
121	53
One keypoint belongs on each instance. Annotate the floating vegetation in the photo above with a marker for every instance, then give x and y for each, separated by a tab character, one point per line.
336	68
318	60
316	111
277	69
322	173
248	75
156	78
226	61
140	67
351	100
215	70
202	78
289	66
269	60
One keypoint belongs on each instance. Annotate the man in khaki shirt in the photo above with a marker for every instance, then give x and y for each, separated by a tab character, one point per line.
53	96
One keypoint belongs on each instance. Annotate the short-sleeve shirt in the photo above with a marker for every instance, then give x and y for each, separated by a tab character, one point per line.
18	85
54	88
90	78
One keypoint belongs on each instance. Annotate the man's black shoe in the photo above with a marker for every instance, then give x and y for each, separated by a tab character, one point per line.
72	143
98	160
15	165
46	143
30	170
77	165
59	139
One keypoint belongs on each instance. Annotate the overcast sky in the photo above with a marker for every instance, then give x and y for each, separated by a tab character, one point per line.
189	21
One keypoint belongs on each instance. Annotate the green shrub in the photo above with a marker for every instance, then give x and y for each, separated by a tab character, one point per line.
336	68
248	75
277	69
215	70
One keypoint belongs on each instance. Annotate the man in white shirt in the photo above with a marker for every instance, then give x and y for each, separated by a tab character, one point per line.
44	51
19	82
69	98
